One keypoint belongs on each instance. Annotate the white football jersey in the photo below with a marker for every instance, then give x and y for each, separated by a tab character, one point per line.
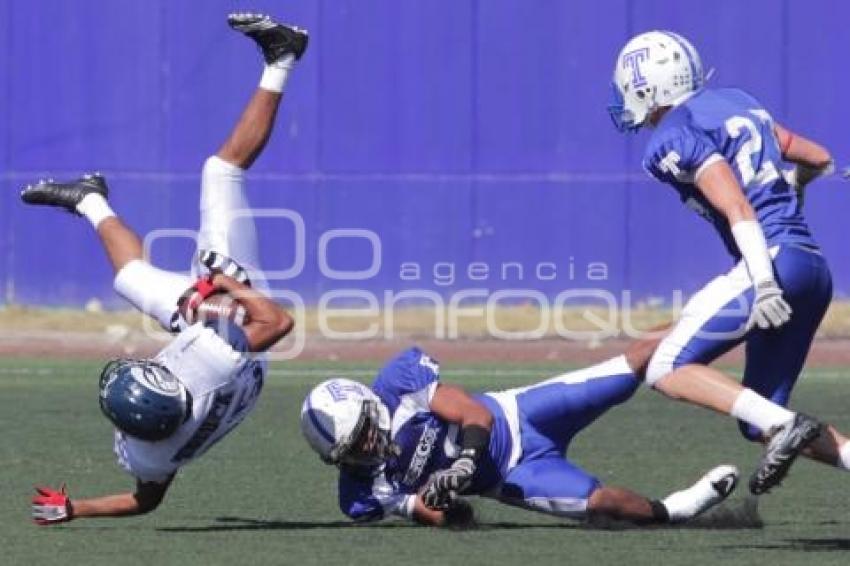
224	382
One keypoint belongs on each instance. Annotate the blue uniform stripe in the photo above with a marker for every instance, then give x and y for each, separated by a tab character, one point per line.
311	412
688	53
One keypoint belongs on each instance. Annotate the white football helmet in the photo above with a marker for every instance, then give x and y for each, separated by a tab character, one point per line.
347	424
654	69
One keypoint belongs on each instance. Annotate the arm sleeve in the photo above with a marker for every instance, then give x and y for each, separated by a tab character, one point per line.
372	501
139	460
412	372
680	155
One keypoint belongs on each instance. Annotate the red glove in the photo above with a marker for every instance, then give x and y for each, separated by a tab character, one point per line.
188	303
51	506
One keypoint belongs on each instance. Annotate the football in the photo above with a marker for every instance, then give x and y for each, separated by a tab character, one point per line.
215	307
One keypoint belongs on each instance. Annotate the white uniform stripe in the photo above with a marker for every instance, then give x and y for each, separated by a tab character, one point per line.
572	507
710	160
707	304
411	404
507	400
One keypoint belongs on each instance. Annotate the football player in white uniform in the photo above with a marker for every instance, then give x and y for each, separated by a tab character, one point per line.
171	409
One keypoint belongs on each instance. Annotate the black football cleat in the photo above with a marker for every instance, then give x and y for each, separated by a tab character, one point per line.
66	195
785	444
274	40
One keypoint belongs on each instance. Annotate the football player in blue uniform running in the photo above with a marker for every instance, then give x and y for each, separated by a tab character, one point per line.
729	161
168	411
410	444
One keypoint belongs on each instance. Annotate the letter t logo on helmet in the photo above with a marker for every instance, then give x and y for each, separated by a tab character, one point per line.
632	60
655	69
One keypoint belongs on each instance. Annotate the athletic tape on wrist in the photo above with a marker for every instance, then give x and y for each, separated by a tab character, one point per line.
476	441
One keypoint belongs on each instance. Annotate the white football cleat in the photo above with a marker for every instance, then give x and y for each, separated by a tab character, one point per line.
711	489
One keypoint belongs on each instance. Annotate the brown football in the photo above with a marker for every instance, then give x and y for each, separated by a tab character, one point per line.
216	306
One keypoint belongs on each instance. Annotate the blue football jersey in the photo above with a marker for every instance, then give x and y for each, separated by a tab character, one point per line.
728	124
426	443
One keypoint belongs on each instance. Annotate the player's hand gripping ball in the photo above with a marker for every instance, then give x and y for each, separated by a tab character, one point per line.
205	302
444	486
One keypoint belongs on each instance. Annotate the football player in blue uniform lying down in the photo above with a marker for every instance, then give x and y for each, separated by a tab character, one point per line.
409	445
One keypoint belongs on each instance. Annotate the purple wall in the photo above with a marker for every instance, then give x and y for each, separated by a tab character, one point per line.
459	131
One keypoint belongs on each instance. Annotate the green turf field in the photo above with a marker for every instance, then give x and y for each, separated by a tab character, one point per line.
261	497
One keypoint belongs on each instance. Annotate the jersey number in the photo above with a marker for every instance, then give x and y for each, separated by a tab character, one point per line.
735	126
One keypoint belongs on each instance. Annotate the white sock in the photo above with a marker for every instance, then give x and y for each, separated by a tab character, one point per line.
844	456
754	409
275	74
95	208
688	503
680	505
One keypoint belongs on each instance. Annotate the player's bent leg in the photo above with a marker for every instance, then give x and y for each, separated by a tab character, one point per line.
704	332
776	358
558	408
281	47
152	291
550	485
831	447
227	239
623	504
227	224
253	130
713	322
640	351
555	486
710	490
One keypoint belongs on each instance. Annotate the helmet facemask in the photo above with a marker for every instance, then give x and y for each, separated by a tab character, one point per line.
630	116
143	398
369	444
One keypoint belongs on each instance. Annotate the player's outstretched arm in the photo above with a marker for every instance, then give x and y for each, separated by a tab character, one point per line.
50	506
812	159
720	186
267	322
800	150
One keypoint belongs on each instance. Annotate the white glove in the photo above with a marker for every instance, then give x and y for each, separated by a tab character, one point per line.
770	310
444	486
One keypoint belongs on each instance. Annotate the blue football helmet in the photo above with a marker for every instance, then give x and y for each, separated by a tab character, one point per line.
143	399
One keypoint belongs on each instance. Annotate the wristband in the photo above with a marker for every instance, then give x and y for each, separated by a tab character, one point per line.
476	441
749	238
